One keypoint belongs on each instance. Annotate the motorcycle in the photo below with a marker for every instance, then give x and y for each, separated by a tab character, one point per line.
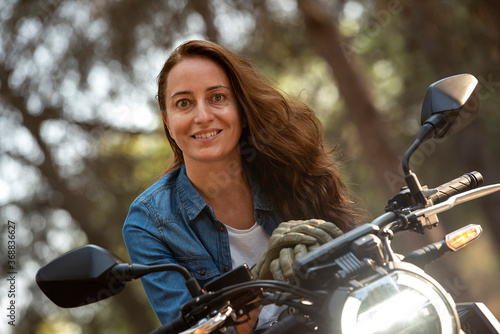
355	283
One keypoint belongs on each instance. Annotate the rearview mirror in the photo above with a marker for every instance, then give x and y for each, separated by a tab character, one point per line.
80	277
450	104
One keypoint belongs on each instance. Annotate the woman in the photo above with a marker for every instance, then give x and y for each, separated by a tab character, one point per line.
245	159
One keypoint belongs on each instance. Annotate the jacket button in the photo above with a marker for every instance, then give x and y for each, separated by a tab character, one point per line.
226	269
203	273
221	228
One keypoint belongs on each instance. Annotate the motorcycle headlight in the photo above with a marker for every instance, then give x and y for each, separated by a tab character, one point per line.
403	301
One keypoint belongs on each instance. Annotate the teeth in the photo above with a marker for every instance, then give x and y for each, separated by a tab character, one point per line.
206	135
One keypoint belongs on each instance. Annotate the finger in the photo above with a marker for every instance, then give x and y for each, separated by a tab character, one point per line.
290	239
313	247
316	227
265	272
329	227
332	229
284	226
294	238
287	257
260	262
315	232
275	269
300	250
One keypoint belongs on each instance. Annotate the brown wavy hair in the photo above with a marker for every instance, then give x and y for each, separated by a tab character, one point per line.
282	142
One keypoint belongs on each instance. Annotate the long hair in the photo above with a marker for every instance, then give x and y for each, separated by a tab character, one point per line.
282	142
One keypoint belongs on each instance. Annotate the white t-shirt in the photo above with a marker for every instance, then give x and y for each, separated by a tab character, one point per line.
247	245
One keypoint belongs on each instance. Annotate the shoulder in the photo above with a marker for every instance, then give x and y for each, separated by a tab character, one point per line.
157	203
169	198
163	187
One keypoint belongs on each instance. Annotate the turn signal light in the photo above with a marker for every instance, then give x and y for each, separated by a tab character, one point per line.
463	236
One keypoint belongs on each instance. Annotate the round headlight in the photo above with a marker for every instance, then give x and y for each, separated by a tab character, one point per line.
401	302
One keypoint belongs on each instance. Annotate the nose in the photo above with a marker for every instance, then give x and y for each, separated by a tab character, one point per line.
203	113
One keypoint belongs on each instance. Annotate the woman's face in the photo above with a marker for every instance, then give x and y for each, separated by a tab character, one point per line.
201	111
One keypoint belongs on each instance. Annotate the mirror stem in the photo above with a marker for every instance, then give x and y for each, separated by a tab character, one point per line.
415	188
125	273
410	177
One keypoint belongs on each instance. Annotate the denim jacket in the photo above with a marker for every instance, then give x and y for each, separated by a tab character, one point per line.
171	223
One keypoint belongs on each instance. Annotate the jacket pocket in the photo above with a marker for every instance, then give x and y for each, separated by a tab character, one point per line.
200	268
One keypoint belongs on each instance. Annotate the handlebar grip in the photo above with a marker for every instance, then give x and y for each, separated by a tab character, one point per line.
175	326
463	183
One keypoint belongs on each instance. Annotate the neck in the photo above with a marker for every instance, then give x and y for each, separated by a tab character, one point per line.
217	179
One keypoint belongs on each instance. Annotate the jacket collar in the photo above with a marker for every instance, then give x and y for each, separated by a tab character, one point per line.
194	203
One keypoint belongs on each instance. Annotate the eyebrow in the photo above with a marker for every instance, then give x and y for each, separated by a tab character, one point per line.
185	92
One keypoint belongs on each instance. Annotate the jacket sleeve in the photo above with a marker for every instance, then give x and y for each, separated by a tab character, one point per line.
166	291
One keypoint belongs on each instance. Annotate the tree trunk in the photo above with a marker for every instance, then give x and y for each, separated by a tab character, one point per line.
330	44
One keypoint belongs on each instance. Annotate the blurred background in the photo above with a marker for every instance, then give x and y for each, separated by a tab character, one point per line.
81	135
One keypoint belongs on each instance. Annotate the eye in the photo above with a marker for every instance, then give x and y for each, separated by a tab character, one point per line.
218	97
182	103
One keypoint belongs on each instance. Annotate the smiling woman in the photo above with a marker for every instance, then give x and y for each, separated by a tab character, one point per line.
246	158
202	115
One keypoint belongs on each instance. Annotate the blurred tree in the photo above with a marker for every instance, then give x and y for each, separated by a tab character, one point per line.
334	48
406	46
450	49
73	143
464	41
323	28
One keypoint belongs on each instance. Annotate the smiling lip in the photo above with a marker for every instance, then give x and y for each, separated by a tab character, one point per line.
206	135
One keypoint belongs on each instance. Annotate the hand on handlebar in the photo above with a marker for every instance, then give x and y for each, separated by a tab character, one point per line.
289	241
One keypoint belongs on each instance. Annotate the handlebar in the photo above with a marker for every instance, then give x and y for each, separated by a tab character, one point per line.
463	183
